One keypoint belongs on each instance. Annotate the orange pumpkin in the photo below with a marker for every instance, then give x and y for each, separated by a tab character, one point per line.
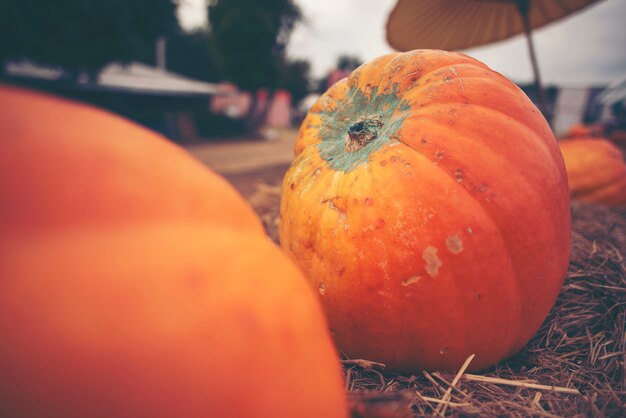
135	282
579	130
596	170
428	204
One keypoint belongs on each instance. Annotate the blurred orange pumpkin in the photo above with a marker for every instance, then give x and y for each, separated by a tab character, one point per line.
579	130
135	282
428	204
596	170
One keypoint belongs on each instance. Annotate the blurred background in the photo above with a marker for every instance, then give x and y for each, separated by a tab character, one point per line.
203	71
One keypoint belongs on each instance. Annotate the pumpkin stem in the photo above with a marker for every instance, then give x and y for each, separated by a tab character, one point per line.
362	132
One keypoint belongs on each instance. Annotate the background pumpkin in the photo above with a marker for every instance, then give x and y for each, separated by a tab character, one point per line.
135	282
428	204
579	130
596	170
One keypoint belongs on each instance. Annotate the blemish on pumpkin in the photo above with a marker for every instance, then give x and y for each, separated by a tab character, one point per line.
407	165
432	261
454	244
444	350
355	201
482	188
424	141
345	227
292	186
380	223
368	201
393	158
469	230
479	296
439	155
383	163
459	175
317	172
322	289
411	280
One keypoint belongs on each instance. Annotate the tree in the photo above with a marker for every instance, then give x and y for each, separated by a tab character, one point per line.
193	54
348	62
250	38
296	79
83	35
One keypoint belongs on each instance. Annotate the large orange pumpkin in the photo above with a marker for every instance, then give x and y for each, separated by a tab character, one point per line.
596	170
135	282
428	204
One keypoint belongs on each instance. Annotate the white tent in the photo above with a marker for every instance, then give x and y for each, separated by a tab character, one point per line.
134	77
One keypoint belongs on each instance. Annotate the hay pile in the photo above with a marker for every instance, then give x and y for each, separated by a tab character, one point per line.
574	366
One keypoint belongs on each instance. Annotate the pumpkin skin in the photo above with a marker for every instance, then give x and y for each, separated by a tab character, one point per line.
447	233
136	282
596	170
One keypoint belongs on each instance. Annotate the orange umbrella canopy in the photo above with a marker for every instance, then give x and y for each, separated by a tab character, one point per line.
461	24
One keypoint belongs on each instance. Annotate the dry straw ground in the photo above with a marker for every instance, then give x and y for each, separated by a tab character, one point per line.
574	366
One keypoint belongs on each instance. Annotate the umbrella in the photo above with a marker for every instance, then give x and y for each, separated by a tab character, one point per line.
461	24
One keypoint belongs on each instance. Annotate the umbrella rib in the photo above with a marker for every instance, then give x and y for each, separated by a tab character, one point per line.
514	22
439	14
564	8
476	20
473	21
491	20
541	13
501	30
418	31
413	30
450	34
463	26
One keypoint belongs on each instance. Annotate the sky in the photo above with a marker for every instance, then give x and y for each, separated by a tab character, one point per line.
585	48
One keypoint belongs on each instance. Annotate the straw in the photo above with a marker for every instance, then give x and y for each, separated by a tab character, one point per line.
574	366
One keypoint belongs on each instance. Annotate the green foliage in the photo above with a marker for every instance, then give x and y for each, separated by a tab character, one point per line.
296	79
250	37
348	62
193	55
83	35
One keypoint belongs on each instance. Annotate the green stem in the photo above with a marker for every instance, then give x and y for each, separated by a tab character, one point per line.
362	132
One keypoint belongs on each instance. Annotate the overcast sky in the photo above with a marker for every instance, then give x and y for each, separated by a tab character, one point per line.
585	48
